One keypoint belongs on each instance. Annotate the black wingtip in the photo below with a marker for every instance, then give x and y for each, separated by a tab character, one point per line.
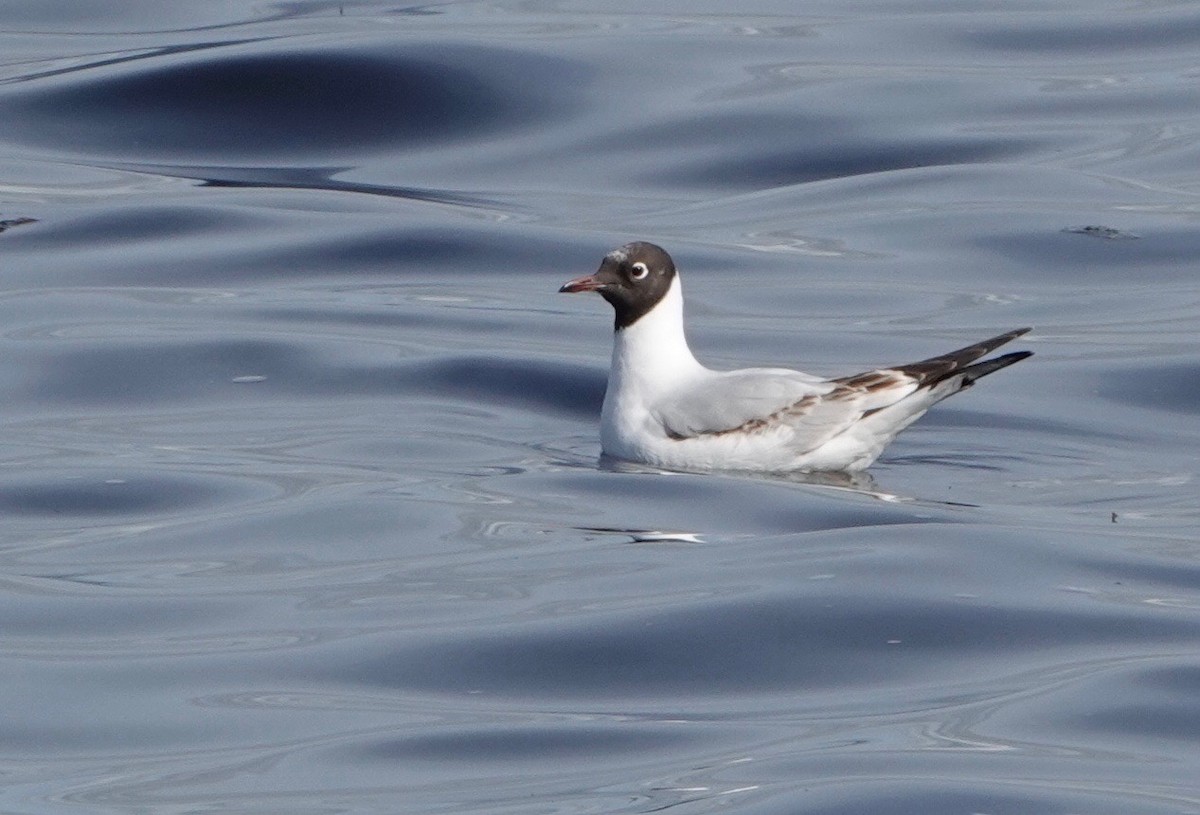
989	366
933	370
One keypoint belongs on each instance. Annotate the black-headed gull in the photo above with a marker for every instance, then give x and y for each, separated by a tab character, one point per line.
664	408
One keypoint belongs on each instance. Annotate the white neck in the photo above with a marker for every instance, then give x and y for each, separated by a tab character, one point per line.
653	353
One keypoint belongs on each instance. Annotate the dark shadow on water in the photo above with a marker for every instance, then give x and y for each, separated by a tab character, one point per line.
1154	703
130	226
748	151
560	388
239	247
779	168
215	370
1173	387
755	645
265	106
103	496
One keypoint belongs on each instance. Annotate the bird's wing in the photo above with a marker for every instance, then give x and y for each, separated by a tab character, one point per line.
762	400
759	400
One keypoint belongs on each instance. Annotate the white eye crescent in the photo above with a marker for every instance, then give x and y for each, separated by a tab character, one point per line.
640	270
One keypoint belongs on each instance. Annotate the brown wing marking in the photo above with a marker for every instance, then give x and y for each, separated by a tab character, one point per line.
757	424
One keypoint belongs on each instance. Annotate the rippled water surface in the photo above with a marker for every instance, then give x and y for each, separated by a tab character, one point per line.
301	499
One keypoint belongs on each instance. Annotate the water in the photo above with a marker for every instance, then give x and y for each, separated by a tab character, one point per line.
302	507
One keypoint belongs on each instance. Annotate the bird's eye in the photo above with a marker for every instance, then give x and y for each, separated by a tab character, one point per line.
640	270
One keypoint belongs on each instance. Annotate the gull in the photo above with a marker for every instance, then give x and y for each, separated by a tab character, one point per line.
665	409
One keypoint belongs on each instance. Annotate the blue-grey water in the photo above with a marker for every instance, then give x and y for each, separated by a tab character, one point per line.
301	506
